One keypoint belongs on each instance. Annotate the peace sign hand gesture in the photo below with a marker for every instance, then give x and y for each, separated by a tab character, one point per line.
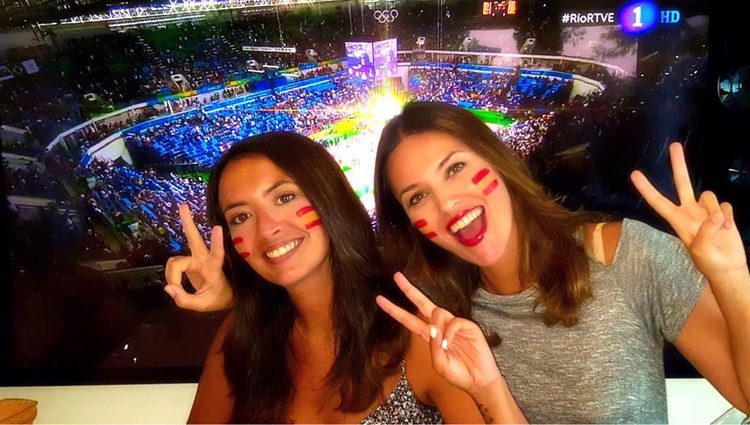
459	351
202	267
705	226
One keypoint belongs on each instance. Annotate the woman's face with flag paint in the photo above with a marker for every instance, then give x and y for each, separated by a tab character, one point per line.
272	224
452	196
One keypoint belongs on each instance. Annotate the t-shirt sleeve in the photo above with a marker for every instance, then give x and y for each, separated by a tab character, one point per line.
669	284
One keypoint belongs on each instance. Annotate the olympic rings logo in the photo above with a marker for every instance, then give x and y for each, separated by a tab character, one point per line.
384	16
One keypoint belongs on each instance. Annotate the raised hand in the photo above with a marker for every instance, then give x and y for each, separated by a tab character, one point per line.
705	226
459	351
202	267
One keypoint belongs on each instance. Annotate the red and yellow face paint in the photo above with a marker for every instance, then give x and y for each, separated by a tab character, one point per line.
309	217
307	214
423	227
238	245
480	181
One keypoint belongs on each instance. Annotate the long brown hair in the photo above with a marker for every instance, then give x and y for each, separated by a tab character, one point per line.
256	351
550	256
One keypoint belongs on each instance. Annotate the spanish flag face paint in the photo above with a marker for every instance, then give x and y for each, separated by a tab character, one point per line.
481	181
309	217
423	227
239	243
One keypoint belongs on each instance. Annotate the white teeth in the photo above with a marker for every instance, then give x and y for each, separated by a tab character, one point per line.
466	220
278	252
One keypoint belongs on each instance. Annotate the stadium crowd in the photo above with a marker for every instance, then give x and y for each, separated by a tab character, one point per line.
136	203
500	90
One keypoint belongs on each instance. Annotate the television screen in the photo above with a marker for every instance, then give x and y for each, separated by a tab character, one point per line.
113	115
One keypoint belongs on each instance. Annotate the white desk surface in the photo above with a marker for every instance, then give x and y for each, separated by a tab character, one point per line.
691	401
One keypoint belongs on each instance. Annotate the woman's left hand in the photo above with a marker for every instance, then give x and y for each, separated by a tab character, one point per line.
705	226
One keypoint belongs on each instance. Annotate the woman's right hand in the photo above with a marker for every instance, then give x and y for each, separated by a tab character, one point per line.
203	268
459	350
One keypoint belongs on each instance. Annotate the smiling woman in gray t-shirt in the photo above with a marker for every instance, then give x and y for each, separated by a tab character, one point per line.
459	212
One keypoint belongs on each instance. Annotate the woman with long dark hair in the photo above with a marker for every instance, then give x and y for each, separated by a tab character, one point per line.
293	249
578	311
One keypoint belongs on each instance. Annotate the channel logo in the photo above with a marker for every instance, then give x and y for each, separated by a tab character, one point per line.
640	17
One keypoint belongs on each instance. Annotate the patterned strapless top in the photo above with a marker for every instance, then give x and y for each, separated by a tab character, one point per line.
403	407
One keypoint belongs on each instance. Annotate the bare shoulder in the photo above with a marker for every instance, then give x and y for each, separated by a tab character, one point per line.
419	369
221	334
606	236
430	388
214	401
227	324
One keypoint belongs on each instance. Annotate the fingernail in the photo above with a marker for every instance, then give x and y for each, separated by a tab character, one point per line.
444	345
169	291
433	332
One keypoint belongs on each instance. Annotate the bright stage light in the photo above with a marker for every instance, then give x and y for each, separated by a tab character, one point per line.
385	103
386	107
353	140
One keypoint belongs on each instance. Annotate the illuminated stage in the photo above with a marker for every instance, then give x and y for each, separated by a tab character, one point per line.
353	140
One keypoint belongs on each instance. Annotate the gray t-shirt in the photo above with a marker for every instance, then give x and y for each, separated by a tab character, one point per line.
608	367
